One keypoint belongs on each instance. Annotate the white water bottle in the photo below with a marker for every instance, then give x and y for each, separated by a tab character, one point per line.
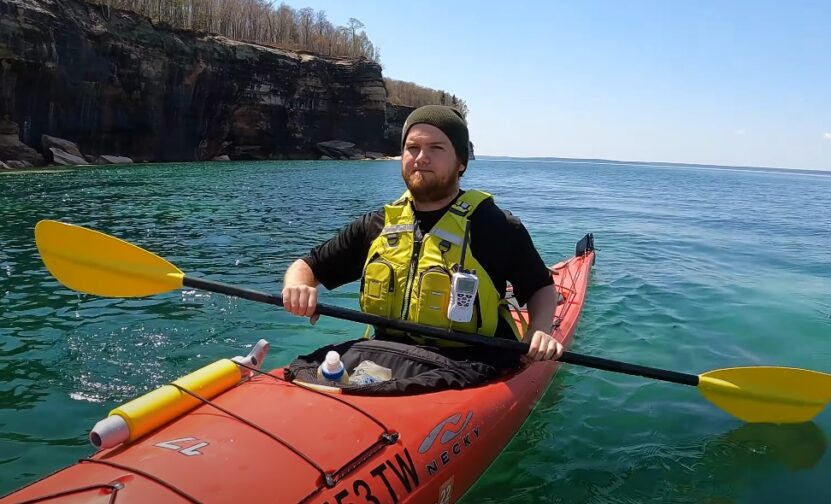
332	369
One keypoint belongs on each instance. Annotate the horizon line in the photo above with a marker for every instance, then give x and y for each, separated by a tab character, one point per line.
657	163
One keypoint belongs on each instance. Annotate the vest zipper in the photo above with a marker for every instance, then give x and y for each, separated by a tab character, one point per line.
479	320
405	307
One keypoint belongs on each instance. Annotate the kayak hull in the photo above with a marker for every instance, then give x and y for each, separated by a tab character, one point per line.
268	440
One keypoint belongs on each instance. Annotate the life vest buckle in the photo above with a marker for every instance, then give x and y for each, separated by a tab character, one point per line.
460	208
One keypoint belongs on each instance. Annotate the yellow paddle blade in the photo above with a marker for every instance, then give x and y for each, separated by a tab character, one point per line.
767	394
96	263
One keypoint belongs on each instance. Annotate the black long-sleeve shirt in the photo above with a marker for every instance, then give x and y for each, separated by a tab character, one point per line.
498	240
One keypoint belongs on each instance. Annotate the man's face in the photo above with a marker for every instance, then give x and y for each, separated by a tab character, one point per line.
429	164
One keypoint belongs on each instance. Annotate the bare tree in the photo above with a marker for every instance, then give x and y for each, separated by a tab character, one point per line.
354	25
305	17
257	21
413	95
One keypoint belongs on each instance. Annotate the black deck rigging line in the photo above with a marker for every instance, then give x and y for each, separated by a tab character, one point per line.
114	487
364	456
327	478
154	479
571	292
387	438
355	463
360	410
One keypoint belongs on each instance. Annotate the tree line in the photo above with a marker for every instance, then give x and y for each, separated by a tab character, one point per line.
306	29
410	93
260	22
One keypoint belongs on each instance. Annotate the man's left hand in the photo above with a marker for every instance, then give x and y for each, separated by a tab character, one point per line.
543	346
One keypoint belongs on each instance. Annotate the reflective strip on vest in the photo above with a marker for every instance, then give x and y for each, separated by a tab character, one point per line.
444	235
400	228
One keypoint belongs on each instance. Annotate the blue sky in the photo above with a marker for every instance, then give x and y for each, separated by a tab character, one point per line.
712	82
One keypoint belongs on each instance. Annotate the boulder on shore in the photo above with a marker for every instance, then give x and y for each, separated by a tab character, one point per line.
59	143
12	149
60	157
109	159
339	149
17	164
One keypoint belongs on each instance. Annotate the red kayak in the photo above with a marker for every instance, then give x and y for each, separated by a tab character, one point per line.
269	440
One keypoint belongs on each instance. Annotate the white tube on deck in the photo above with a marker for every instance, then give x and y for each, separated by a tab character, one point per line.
109	432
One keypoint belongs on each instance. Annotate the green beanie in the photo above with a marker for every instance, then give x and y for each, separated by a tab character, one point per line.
445	118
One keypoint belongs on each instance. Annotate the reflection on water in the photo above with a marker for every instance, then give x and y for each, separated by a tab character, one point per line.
795	446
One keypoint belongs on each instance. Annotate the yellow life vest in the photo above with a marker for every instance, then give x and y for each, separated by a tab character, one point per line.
408	276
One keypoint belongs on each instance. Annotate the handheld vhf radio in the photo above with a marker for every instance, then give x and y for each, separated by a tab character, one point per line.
464	285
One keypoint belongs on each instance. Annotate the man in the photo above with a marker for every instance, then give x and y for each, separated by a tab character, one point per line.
408	254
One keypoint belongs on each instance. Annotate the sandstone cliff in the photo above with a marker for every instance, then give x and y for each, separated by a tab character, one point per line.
114	83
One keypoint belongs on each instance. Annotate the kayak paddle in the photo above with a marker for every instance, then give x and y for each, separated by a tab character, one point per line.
95	263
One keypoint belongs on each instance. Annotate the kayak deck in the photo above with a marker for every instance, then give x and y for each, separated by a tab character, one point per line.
268	440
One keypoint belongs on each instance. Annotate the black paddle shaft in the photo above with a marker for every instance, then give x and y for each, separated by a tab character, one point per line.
435	332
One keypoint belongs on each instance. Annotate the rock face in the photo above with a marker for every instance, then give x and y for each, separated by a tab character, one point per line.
395	117
115	83
11	148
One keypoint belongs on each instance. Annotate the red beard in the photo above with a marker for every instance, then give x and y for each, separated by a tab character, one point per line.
430	188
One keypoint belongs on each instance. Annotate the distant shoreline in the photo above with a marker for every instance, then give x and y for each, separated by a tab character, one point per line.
69	168
653	163
65	168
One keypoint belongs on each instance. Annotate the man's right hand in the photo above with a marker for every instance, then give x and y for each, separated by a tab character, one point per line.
301	300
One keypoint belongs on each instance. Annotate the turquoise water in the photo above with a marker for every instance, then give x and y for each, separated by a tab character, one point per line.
698	269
